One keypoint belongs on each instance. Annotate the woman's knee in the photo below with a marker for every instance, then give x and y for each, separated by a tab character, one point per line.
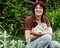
45	41
54	44
48	37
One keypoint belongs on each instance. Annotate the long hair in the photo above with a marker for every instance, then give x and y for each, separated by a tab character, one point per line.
42	5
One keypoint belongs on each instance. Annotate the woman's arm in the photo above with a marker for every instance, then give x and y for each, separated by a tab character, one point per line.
47	31
31	35
27	34
34	32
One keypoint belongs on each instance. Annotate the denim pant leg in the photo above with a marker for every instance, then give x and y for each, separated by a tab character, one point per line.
41	42
54	44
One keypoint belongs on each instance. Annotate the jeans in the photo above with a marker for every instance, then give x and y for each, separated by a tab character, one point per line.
44	41
54	44
41	42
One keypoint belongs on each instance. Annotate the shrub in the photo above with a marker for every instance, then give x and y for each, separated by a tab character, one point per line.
54	18
12	17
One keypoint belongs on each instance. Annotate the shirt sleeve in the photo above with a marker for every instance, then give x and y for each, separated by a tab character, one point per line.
27	24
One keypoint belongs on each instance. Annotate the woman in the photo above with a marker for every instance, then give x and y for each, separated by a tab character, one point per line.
38	39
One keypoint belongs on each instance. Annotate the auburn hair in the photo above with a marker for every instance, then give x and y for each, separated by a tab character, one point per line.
42	5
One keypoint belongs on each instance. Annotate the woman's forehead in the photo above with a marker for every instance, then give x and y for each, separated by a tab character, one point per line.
38	5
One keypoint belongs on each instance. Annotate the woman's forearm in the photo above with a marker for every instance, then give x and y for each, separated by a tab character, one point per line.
30	36
33	37
36	33
27	34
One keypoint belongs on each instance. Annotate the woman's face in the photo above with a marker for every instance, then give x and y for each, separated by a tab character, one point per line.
38	10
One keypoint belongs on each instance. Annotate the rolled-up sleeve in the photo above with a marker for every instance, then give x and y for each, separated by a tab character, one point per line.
27	25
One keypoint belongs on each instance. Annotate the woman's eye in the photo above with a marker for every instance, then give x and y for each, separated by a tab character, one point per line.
38	8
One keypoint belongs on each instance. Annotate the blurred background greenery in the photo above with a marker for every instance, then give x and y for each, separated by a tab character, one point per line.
13	13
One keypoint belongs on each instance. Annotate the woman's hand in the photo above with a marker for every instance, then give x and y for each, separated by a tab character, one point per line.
34	32
33	37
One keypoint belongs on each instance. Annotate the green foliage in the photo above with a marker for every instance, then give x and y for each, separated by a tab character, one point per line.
54	17
53	4
12	17
56	35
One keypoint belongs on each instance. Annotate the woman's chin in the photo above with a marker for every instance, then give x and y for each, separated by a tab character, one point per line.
38	15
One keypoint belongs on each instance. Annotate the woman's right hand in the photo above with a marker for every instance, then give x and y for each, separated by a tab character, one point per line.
33	37
34	32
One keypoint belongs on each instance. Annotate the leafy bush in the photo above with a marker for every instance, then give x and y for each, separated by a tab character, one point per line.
12	17
54	18
13	13
53	5
56	35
